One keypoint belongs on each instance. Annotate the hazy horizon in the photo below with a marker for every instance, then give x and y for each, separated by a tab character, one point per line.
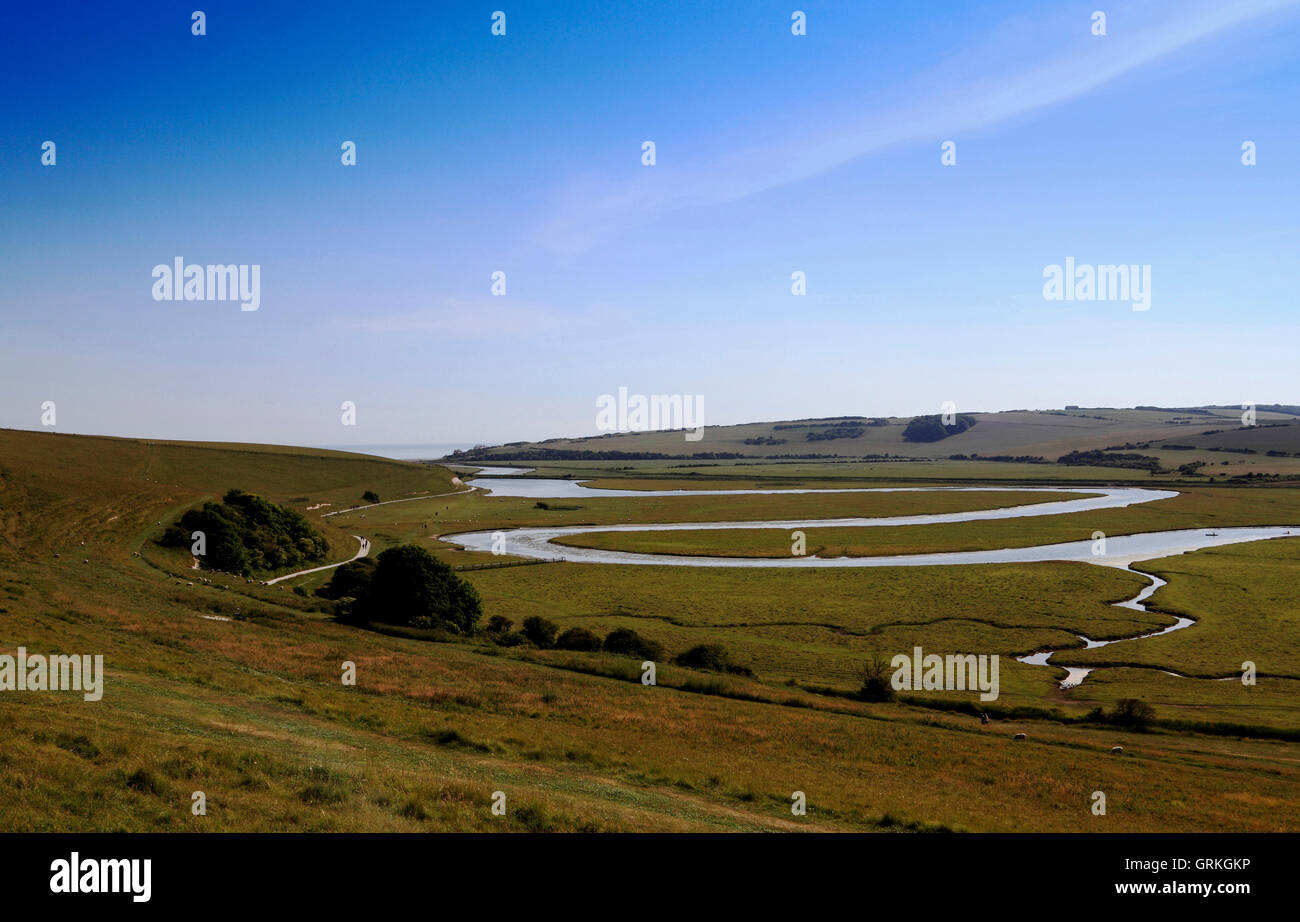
413	451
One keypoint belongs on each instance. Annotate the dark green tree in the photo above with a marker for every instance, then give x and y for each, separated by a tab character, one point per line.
628	642
539	631
411	586
350	580
578	638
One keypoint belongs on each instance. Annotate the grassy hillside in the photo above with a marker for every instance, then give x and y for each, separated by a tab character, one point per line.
233	688
1046	434
57	491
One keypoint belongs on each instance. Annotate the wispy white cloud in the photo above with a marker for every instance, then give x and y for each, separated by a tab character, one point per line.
1071	64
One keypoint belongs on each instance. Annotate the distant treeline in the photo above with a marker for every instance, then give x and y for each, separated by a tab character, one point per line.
1288	408
1014	459
571	454
1098	458
836	432
847	423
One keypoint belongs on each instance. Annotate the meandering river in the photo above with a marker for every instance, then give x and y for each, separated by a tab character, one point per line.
1116	551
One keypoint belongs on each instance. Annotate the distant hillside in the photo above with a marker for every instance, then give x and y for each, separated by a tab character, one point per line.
1021	434
60	490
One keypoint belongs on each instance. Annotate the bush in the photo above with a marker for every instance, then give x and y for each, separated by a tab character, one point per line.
410	585
512	639
1132	713
578	638
711	657
629	643
540	632
370	496
876	684
498	625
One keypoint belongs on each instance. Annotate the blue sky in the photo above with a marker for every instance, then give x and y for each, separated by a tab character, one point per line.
522	153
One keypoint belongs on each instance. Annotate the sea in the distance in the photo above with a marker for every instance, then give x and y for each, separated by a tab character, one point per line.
426	452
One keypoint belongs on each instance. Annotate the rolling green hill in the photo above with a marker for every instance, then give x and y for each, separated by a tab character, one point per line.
1048	434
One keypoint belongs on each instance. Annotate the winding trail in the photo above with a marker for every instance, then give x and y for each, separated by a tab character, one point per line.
364	550
365	542
389	502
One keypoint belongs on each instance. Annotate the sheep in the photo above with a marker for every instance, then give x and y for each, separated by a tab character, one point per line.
1117	750
1020	736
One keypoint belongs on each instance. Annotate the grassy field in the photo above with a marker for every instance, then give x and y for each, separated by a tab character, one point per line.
251	710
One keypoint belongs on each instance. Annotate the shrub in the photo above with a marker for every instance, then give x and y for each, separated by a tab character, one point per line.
876	685
578	638
540	632
142	780
512	639
629	643
712	657
370	496
498	626
1130	712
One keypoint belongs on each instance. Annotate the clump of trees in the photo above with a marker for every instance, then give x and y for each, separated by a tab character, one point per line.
370	496
1107	458
835	432
246	534
406	586
932	428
